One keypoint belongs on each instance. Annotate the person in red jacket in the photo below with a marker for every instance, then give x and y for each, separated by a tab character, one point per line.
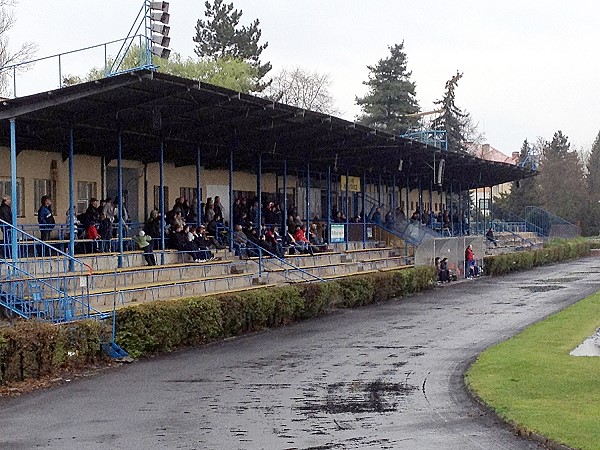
469	262
301	241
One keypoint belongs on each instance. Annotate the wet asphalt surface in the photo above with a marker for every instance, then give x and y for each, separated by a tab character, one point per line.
387	376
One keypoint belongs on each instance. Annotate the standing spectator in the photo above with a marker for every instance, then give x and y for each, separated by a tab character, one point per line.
209	210
6	216
218	207
45	218
469	262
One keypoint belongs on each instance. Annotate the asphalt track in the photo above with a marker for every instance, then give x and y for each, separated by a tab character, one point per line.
386	376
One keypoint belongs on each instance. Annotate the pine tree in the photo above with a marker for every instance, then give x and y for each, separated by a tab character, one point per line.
391	98
592	217
523	193
452	119
563	190
221	36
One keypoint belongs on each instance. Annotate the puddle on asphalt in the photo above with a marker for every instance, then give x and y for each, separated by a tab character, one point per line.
541	288
559	280
359	397
589	347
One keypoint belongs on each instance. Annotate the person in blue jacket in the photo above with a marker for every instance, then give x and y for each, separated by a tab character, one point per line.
45	218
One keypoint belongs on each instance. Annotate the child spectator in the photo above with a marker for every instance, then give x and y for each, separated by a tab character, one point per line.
144	242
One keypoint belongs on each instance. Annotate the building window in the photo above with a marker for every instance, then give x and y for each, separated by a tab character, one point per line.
189	194
86	190
157	197
6	190
484	204
41	188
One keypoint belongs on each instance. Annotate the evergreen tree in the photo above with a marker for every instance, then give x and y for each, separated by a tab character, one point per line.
391	97
452	119
561	179
221	36
592	217
523	193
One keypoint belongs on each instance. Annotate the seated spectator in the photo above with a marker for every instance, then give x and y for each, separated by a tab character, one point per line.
240	241
389	220
416	216
144	242
291	226
376	217
316	239
204	240
179	241
273	238
490	237
302	242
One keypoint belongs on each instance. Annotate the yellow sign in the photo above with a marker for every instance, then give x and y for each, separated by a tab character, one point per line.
353	183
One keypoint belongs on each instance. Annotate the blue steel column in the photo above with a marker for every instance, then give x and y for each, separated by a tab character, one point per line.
420	202
451	210
394	198
379	191
145	192
71	202
431	217
120	197
363	188
476	210
231	199
284	203
198	188
491	209
408	213
307	198
347	233
13	186
161	200
469	211
461	212
259	191
328	205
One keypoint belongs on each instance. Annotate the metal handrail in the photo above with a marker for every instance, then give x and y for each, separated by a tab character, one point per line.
283	262
10	298
36	240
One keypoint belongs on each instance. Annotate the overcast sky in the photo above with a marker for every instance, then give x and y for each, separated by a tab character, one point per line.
530	67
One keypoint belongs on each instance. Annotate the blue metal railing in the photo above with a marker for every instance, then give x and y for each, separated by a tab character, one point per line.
412	232
551	225
268	262
51	286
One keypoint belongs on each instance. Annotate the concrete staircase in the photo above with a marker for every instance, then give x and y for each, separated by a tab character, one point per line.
135	282
513	242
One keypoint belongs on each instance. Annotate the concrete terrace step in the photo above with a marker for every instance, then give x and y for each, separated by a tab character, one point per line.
108	279
104	298
107	261
206	294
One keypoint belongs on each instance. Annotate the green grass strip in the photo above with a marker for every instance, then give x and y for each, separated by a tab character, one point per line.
533	382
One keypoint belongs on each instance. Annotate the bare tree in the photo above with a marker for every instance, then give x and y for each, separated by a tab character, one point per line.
304	89
8	57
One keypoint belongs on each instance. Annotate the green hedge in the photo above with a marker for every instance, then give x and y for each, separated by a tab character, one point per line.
166	325
553	251
31	349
